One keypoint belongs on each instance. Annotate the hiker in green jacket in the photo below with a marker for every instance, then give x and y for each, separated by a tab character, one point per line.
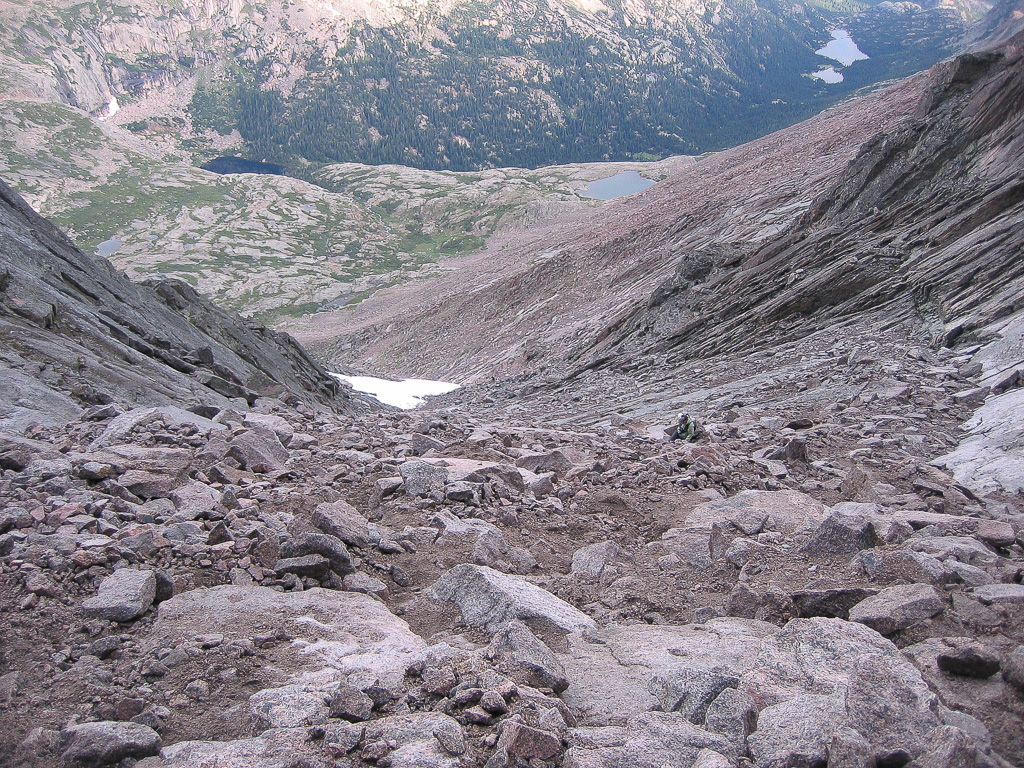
686	429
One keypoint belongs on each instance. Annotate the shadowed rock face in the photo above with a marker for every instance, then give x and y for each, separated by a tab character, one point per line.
77	333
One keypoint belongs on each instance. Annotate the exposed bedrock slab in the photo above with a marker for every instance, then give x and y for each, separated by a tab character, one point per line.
619	672
348	633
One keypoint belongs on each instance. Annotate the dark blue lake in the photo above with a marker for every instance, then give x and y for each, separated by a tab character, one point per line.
241	165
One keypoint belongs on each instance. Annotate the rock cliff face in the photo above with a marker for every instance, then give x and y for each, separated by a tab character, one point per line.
78	334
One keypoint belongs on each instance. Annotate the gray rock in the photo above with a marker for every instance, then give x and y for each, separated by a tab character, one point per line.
963	548
258	450
91	745
348	632
275	748
463	492
652	740
592	559
849	670
410	739
848	749
709	758
290	706
690	691
796	731
841	533
526	743
949	747
325	545
349	703
781	511
269	422
558	461
423	479
421	444
897	608
489	598
972	660
123	596
904	564
519	654
829	603
611	669
1001	594
123	425
305	566
1013	668
734	715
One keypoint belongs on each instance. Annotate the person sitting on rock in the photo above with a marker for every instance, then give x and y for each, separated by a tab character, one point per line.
686	429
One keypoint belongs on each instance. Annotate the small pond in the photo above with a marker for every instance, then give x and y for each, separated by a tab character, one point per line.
619	185
224	165
108	247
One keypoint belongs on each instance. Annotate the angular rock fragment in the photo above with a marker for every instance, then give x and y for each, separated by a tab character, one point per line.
829	603
1013	668
1001	594
838	674
322	544
524	658
972	660
349	703
287	707
423	479
650	740
841	533
897	608
123	596
489	598
91	745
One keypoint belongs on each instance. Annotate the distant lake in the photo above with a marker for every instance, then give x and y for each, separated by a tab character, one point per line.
241	165
108	247
619	185
829	75
841	48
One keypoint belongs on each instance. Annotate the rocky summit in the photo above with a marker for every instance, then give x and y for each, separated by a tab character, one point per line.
212	558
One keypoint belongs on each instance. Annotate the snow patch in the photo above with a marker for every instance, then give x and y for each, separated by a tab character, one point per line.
407	393
112	108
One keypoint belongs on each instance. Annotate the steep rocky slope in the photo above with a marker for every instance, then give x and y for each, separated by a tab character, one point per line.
763	244
462	587
78	334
